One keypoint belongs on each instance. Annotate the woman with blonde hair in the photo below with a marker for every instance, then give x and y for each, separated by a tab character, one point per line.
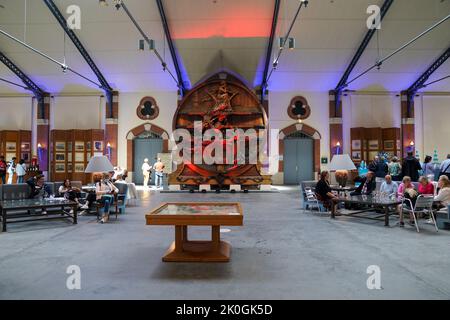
444	191
105	190
406	190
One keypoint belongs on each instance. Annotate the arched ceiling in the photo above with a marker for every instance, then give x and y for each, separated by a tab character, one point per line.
226	34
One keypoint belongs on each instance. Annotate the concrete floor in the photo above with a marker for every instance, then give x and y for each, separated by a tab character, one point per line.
280	253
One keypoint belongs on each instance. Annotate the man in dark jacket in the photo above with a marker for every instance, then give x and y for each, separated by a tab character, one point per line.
379	167
367	186
411	167
38	187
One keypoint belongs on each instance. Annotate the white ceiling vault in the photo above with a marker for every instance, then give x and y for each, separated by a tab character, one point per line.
226	34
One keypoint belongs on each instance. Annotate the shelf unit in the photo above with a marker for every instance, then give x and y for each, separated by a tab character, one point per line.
16	144
366	143
71	151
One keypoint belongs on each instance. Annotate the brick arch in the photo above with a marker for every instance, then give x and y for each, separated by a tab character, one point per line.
306	130
145	127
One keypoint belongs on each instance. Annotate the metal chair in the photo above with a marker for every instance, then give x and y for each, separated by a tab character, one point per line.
423	205
121	200
312	201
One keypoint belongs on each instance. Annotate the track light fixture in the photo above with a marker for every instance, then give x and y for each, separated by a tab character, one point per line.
290	42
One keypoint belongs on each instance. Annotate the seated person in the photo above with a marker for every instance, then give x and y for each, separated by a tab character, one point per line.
323	190
70	193
367	186
105	191
120	179
426	188
39	189
91	196
389	187
406	190
443	196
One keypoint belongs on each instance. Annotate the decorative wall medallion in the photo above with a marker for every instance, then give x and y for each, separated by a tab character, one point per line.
299	109
148	109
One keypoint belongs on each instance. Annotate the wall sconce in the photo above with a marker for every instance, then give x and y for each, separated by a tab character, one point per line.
108	150
338	147
412	144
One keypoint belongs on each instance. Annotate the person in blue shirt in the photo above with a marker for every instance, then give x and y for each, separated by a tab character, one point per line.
388	186
445	167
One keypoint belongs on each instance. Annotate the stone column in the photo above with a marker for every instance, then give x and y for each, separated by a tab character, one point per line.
43	133
112	129
336	125
408	124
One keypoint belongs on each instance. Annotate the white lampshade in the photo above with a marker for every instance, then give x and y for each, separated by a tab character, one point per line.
341	162
99	164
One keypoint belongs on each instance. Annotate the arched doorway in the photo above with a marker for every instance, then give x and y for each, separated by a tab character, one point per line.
300	146
145	141
298	158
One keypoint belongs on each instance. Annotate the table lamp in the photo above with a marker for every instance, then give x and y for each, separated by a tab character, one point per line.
341	164
99	164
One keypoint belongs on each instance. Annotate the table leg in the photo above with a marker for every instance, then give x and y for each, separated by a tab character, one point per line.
386	216
4	220
178	239
75	214
215	233
185	234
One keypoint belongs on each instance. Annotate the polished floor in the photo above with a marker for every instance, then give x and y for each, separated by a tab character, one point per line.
280	253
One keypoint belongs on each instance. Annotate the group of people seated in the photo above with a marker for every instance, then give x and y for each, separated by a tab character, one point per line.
405	189
104	194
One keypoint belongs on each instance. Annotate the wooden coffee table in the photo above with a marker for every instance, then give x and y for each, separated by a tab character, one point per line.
182	215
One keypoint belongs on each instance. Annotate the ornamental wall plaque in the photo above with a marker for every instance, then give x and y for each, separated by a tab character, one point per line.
299	109
147	109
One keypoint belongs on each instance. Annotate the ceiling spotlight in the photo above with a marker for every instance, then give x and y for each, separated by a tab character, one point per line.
64	68
151	45
290	42
275	64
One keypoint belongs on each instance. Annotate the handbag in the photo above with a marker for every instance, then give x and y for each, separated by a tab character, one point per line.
444	173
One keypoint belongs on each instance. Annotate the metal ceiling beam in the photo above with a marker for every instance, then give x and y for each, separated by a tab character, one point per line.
29	84
181	82
270	47
62	21
362	47
421	81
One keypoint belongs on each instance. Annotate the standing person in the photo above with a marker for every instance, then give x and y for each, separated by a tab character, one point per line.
21	171
11	170
3	168
159	173
395	169
411	167
379	167
445	167
105	191
146	170
428	168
